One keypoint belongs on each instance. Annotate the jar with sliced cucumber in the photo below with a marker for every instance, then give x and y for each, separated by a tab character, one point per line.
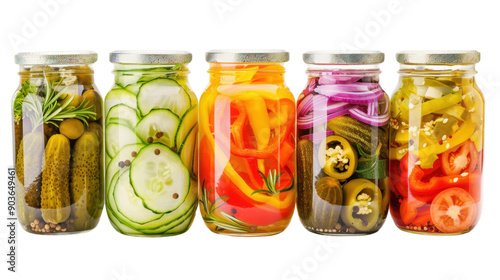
58	151
151	144
436	146
342	167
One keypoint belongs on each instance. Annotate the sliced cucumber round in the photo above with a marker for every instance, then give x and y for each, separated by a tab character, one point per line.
188	120
128	204
134	88
185	225
163	93
127	79
118	136
159	178
122	156
159	226
179	220
194	168
171	228
159	126
122	114
120	96
119	226
188	147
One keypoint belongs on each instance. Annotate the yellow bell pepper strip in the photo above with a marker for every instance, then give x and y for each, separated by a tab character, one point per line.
208	100
235	76
415	111
473	100
397	153
237	127
242	91
463	134
259	122
276	142
278	119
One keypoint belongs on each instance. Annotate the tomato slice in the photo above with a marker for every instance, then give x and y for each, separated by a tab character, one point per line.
460	159
453	210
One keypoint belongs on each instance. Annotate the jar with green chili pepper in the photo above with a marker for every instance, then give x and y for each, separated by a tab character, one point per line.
342	166
436	143
247	144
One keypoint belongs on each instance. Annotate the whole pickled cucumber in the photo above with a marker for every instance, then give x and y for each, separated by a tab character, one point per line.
305	157
29	162
85	186
18	135
96	128
366	136
55	180
327	209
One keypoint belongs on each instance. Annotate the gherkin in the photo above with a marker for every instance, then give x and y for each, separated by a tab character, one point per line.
85	181
55	180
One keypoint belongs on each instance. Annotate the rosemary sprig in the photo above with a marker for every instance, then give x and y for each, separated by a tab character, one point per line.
226	222
48	110
271	180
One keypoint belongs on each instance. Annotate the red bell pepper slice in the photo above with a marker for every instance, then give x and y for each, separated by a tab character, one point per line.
439	183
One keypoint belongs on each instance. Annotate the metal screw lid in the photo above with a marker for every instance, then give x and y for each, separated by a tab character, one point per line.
438	57
56	58
250	56
343	57
150	57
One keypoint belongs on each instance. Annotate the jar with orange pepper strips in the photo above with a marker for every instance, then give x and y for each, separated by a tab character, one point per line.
247	144
436	149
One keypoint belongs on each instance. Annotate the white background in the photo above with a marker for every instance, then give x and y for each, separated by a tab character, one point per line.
197	26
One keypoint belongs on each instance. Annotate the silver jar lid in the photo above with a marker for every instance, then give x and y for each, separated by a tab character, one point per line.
343	57
150	57
250	56
56	58
438	57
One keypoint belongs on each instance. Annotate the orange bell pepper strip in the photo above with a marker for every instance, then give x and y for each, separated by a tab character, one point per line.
206	103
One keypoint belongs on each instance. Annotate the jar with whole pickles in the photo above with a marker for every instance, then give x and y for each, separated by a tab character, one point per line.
342	149
247	144
436	148
58	138
151	144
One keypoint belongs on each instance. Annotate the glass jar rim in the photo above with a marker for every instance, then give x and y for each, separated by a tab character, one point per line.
56	58
439	57
150	56
247	56
334	57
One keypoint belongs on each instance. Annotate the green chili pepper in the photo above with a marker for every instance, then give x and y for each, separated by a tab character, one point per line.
362	204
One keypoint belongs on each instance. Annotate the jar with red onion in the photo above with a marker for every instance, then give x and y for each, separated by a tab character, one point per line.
342	149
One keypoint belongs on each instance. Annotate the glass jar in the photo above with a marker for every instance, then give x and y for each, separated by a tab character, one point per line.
342	124
151	144
247	143
436	148
57	114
